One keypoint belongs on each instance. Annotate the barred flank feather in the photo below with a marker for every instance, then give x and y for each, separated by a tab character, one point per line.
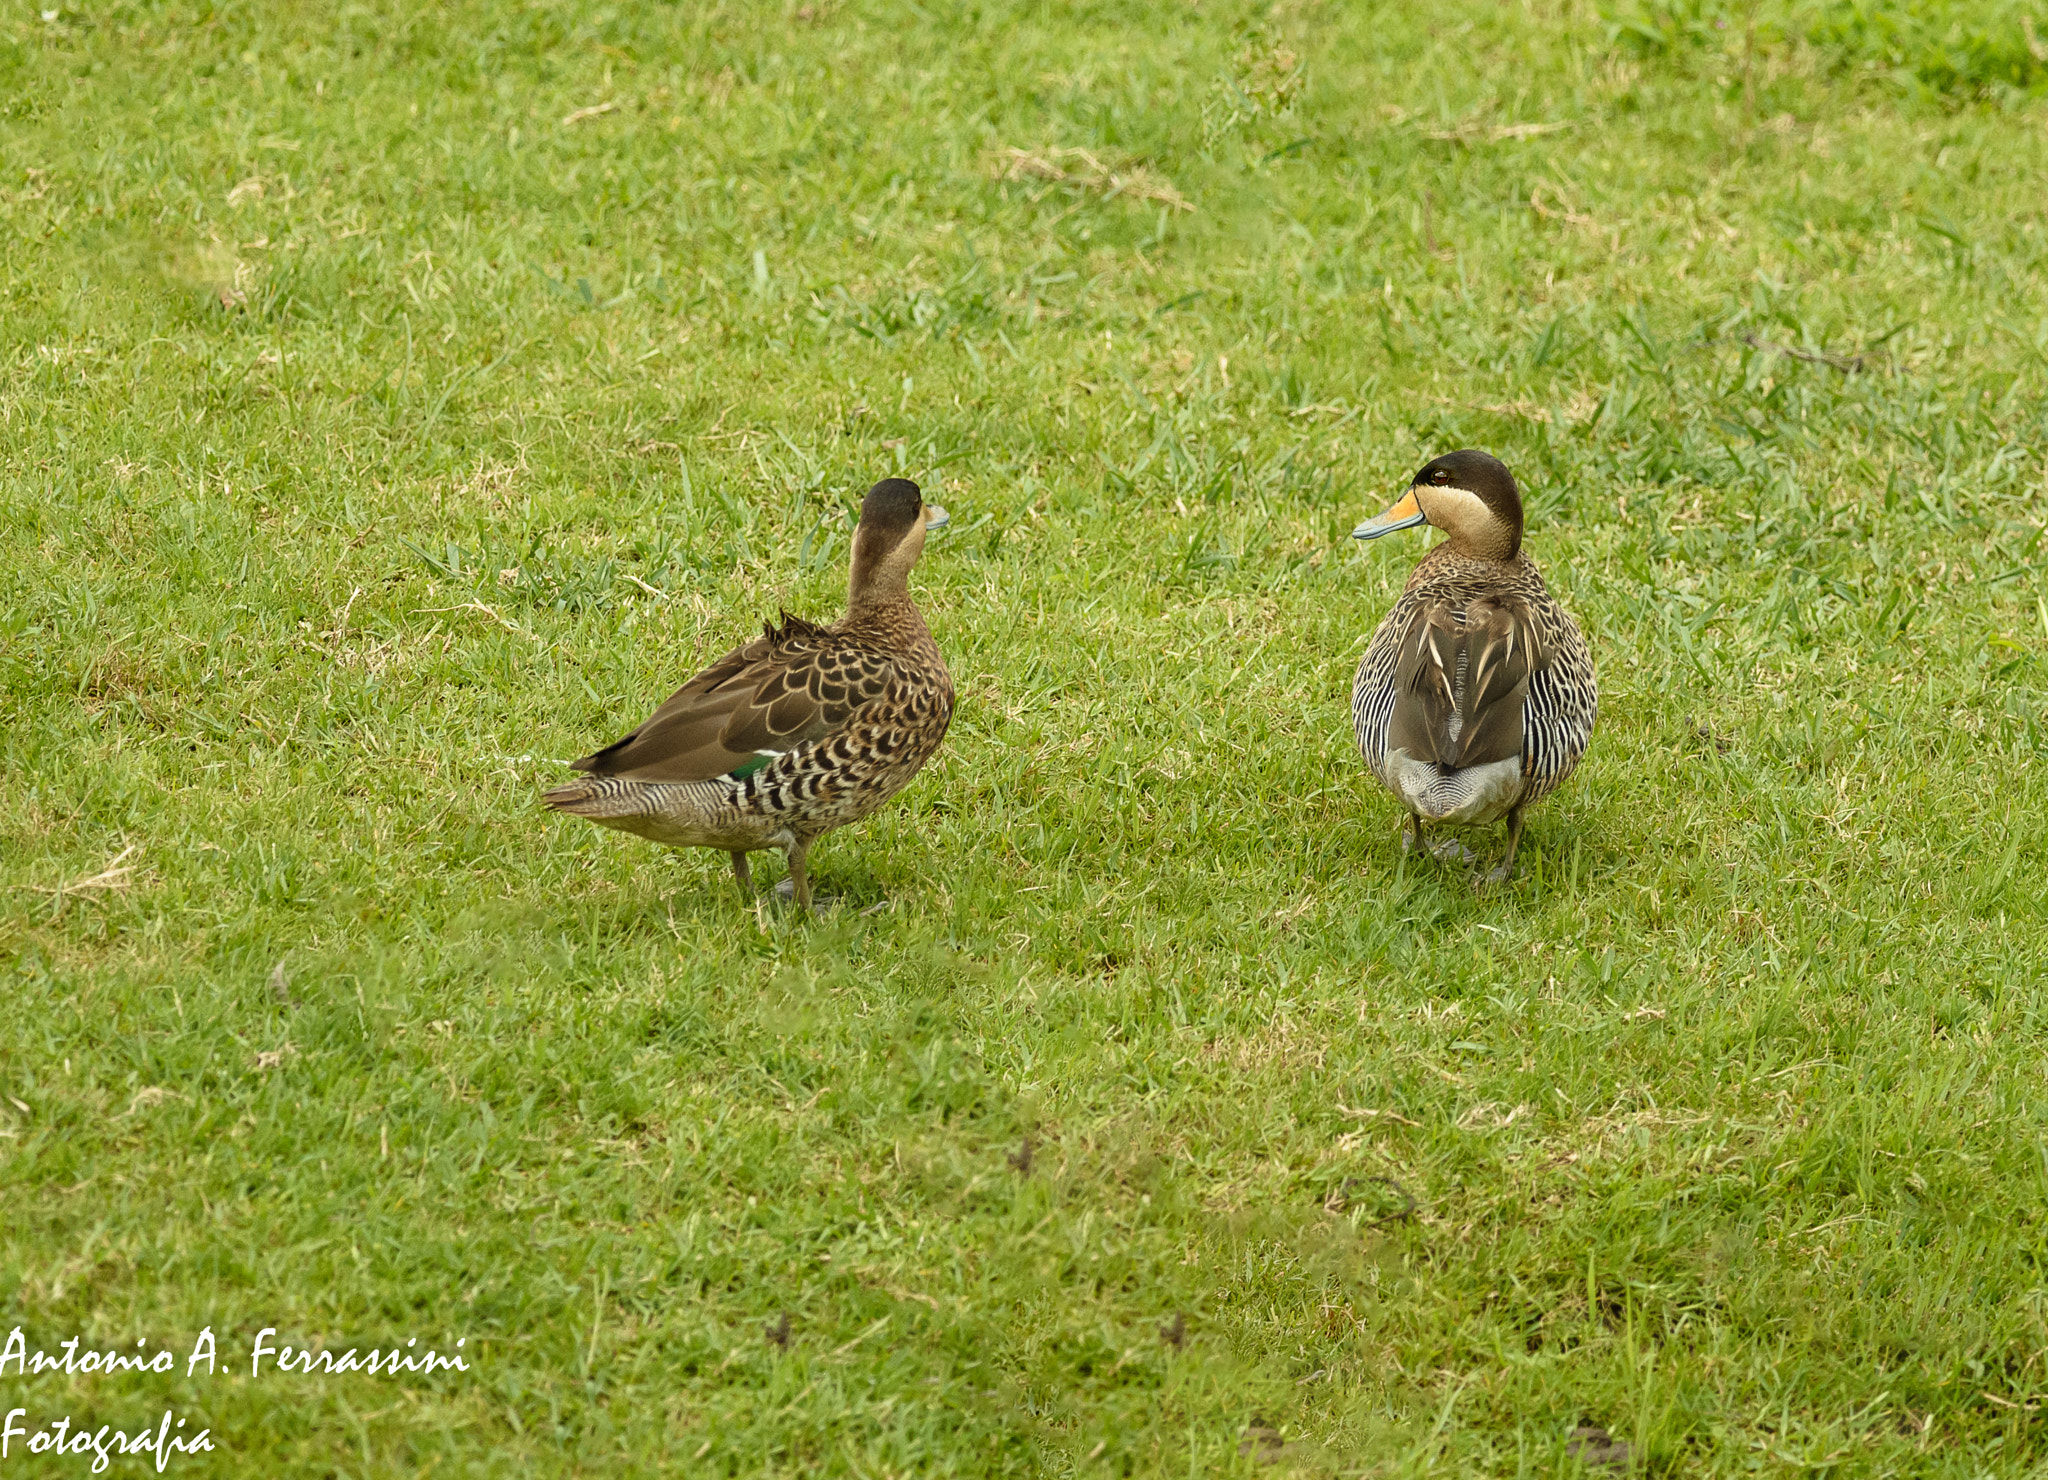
600	796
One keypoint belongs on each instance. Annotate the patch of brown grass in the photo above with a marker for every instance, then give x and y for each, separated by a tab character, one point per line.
1078	169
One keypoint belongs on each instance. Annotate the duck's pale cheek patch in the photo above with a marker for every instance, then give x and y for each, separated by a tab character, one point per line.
1456	511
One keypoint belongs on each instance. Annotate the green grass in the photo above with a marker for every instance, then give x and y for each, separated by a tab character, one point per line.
375	438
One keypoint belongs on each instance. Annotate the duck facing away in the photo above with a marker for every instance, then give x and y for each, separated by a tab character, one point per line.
798	731
1476	695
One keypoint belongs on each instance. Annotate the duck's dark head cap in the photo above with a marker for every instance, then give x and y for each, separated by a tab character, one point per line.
1478	473
891	509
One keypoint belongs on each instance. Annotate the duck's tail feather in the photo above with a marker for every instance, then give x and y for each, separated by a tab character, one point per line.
599	797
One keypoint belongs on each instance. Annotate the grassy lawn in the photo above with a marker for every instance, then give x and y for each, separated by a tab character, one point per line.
399	400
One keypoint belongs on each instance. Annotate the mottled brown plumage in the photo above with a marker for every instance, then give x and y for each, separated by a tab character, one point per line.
796	732
793	683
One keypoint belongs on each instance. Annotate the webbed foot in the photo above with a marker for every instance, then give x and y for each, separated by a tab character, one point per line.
1485	879
1449	850
785	893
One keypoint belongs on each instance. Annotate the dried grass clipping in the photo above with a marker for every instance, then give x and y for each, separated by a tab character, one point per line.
1081	170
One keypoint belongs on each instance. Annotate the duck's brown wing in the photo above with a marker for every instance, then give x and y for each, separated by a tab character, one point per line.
1461	680
791	684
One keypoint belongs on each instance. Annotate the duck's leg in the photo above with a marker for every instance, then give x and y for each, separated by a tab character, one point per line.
1506	868
741	872
1450	850
799	879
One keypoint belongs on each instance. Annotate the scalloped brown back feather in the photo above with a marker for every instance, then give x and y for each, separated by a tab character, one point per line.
1461	679
797	682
